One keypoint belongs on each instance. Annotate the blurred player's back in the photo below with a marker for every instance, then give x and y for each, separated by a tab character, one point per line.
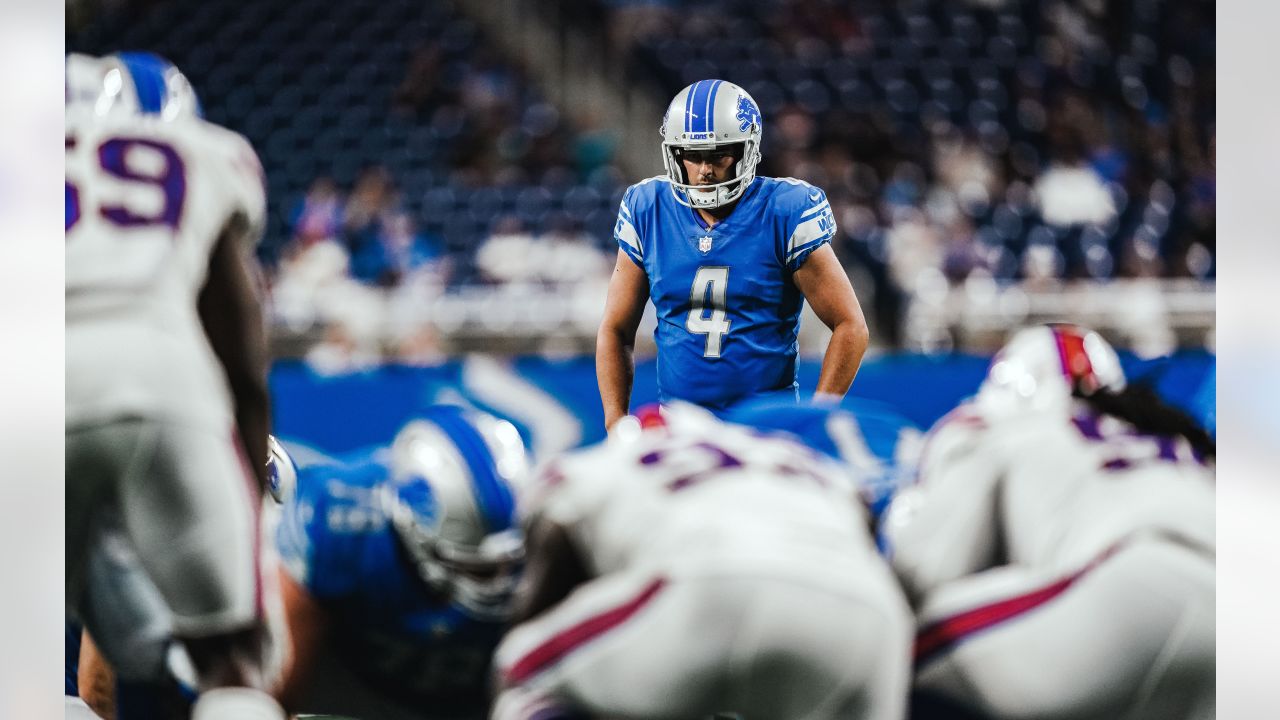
1075	484
710	495
147	202
1086	483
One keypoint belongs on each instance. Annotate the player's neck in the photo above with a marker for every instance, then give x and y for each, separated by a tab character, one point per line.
712	216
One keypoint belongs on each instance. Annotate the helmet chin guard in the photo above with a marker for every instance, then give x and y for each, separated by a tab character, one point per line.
711	115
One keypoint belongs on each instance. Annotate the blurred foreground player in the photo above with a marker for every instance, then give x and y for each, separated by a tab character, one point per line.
1059	547
166	400
401	564
696	567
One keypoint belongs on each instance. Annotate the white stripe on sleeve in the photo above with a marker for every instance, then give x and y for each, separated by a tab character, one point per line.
809	231
815	209
626	233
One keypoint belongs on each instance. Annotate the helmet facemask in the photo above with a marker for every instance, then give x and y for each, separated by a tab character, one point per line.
480	580
746	157
483	581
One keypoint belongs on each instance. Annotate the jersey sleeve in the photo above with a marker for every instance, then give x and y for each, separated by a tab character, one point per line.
946	526
315	538
545	496
242	176
568	488
810	224
625	230
297	526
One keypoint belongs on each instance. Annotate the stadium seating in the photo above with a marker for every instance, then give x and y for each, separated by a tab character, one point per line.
327	89
971	124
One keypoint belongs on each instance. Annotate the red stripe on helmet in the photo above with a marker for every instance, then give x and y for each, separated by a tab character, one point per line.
1076	365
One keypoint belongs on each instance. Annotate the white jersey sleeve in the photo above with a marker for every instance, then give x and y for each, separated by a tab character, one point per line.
947	525
809	222
246	185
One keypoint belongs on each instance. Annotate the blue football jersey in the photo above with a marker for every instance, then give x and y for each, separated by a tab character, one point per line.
336	540
728	313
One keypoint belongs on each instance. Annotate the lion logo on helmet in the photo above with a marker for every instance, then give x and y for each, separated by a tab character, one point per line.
748	113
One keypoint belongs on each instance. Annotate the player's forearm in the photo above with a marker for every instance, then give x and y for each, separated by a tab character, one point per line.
253	421
245	367
840	364
308	627
615	373
96	680
231	314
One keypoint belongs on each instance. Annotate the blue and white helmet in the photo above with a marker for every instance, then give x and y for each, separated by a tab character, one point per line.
130	83
708	115
451	500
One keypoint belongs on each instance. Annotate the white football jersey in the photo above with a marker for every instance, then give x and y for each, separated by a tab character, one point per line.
703	495
145	204
1045	490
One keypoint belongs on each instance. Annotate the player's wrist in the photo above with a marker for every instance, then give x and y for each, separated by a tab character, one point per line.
827	398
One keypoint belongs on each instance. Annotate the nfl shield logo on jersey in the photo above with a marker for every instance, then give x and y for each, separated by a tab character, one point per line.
704	244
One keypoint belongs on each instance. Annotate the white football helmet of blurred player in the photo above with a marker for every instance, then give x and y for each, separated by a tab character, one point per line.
451	500
706	116
1042	367
133	83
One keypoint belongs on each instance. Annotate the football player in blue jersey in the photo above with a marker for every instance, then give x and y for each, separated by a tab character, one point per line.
728	258
399	566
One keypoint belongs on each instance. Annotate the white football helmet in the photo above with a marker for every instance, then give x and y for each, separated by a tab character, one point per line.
710	115
1042	367
131	83
451	499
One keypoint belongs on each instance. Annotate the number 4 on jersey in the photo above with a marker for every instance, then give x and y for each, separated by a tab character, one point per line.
710	289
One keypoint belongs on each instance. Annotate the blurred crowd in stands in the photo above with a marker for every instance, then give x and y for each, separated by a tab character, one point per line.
1039	141
1033	141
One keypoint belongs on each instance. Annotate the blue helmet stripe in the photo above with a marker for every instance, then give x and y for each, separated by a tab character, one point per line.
711	106
688	107
147	71
699	114
493	496
702	92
